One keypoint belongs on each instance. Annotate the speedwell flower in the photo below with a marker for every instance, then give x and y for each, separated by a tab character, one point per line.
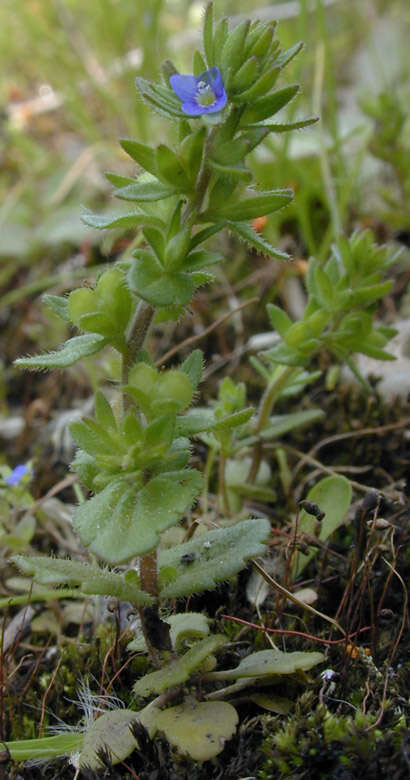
204	94
20	471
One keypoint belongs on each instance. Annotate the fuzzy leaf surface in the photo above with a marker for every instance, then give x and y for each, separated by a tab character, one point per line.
126	221
255	240
73	350
217	555
148	278
260	204
122	521
90	578
111	733
145	191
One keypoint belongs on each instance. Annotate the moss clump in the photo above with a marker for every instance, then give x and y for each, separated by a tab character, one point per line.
322	744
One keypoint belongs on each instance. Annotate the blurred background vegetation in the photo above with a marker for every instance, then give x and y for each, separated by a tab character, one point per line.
67	95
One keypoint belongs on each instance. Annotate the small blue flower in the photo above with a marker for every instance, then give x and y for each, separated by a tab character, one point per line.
20	471
204	94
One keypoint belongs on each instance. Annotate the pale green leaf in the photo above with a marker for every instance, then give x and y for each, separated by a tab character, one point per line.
180	669
73	350
199	729
123	521
216	556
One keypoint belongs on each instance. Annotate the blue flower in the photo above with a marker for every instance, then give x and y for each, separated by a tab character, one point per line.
204	94
20	471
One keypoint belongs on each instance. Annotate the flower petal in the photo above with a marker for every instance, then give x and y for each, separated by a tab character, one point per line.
14	478
215	81
184	86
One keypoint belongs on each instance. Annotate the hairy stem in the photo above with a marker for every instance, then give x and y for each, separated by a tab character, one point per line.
136	335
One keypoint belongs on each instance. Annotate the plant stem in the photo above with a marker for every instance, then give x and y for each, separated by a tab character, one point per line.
272	392
202	182
148	573
137	332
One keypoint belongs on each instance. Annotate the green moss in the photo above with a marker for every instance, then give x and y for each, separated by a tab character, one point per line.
323	744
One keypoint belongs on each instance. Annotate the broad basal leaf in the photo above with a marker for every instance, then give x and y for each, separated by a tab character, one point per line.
267	663
180	669
333	496
199	729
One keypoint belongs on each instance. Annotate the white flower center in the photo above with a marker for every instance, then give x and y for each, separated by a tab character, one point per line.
205	95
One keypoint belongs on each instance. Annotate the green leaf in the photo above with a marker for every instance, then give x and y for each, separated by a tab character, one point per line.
126	221
180	669
286	126
333	496
110	733
187	626
232	52
246	75
73	350
204	421
286	56
203	235
269	663
170	169
122	521
207	33
44	748
146	191
148	278
261	86
58	304
279	319
238	171
248	208
193	367
364	296
325	289
200	259
89	577
92	438
142	154
191	152
217	555
198	729
221	34
119	181
163	99
263	39
280	424
103	411
255	240
155	238
97	322
269	105
285	356
198	63
160	432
